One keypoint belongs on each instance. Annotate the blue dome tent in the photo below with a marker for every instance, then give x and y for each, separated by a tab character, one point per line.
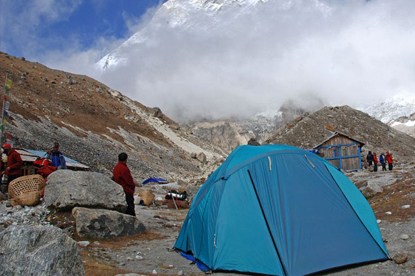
279	210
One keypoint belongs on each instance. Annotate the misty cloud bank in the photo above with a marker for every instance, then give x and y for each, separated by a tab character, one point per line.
246	58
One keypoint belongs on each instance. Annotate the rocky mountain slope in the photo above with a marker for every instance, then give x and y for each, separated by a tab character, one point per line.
309	131
397	111
405	124
396	106
94	122
228	134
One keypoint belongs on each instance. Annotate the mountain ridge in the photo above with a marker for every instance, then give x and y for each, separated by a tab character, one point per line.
89	119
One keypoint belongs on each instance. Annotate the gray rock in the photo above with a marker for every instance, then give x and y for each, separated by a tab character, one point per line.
38	250
370	190
201	157
156	112
83	243
66	189
404	237
105	224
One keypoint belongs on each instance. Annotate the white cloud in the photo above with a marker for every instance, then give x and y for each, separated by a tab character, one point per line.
21	22
237	64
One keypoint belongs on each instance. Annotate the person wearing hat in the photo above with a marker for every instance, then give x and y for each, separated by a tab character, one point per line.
57	158
13	167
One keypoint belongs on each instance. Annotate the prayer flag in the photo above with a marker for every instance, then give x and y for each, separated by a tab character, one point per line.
9	83
8	86
8	136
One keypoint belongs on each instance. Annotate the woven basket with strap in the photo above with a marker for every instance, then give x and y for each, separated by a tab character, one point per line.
26	190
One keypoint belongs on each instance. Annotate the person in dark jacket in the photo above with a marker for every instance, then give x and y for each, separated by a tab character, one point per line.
389	159
122	176
382	161
13	167
369	158
57	158
375	162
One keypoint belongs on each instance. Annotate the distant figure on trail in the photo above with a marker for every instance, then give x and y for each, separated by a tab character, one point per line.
375	162
57	158
122	176
382	161
369	158
389	159
13	167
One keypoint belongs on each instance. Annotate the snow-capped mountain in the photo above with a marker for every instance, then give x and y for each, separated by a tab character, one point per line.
190	15
211	58
399	105
397	111
219	59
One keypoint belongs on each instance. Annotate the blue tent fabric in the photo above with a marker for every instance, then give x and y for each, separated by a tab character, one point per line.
279	210
154	180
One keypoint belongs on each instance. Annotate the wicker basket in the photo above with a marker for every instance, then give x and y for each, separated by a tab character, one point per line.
26	190
146	196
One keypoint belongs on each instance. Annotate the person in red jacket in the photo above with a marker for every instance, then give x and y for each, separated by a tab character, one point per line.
389	159
375	162
122	176
13	168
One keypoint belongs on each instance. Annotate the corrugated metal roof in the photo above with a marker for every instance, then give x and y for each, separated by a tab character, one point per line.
29	155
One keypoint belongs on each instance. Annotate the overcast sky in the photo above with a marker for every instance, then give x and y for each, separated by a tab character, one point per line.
236	63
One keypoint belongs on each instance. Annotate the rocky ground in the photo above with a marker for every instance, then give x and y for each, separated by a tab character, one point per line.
391	197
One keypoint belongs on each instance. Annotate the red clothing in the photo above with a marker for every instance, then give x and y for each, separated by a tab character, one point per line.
375	159
14	163
389	158
122	176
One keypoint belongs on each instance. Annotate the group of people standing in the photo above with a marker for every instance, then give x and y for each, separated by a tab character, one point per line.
383	160
11	168
11	165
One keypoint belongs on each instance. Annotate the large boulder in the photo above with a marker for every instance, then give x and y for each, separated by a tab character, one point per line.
38	250
66	189
105	224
